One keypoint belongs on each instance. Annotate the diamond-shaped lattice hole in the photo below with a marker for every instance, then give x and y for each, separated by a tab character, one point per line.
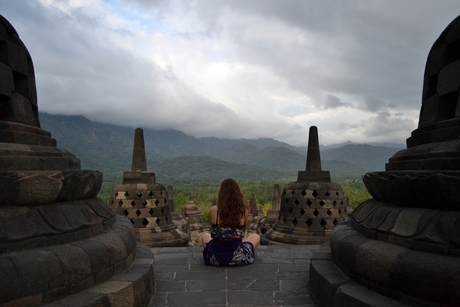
157	202
302	212
322	203
329	212
335	222
327	194
144	203
289	210
294	222
296	202
309	223
162	210
151	211
323	223
151	194
125	213
315	193
131	221
133	203
145	222
340	211
139	194
309	203
166	200
126	194
138	212
120	203
337	194
292	192
304	193
334	203
315	213
284	221
115	194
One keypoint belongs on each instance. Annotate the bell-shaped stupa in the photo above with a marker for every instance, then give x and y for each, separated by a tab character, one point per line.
59	242
145	202
403	246
310	207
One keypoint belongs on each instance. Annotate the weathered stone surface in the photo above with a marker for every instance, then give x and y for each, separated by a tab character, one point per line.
435	190
145	203
46	187
56	237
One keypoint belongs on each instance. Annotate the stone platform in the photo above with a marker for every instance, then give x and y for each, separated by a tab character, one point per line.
279	277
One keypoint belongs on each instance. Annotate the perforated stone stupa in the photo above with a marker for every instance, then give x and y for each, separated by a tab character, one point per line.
403	246
310	207
59	242
145	202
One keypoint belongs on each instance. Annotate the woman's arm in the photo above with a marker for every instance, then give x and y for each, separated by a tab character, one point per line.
213	215
246	215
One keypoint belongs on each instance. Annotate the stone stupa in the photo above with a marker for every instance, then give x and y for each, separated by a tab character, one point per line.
403	246
267	222
310	207
193	216
145	202
59	242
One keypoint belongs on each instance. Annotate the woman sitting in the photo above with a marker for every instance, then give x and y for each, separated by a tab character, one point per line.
229	219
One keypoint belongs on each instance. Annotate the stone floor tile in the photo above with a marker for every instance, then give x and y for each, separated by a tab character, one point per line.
171	267
169	250
287	298
292	267
277	260
159	299
206	285
253	284
197	298
164	276
192	260
201	275
259	275
171	256
300	286
170	286
250	297
292	275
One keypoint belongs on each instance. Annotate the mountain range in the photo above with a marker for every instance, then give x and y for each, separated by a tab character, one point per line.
173	154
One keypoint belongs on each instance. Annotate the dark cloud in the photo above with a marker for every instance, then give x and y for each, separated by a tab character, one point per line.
333	102
235	68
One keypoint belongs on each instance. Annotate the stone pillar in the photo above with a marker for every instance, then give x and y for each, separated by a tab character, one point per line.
402	247
310	207
171	198
193	216
266	223
276	197
57	237
145	203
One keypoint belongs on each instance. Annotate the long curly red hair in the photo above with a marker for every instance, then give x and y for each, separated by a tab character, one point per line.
231	204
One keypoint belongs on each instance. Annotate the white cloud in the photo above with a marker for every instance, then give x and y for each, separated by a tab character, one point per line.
236	69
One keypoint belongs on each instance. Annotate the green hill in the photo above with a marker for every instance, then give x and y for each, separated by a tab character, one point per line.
173	154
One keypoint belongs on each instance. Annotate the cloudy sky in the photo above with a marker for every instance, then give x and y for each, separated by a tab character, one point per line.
235	69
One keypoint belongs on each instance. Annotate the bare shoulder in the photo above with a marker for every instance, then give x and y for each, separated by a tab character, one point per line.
213	209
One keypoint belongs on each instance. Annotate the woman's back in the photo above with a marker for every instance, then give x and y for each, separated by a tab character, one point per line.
224	246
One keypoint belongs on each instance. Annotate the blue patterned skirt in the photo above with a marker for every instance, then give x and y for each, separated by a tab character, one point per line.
228	253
